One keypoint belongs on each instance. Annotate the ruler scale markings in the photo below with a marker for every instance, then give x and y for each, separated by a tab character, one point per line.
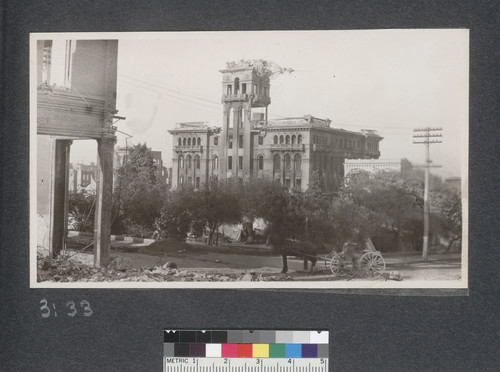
200	351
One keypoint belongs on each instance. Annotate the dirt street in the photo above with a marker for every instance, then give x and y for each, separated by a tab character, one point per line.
438	267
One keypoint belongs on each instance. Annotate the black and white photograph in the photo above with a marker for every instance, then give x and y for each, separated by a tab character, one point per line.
249	159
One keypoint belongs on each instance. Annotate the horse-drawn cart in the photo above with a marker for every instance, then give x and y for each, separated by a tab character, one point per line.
356	258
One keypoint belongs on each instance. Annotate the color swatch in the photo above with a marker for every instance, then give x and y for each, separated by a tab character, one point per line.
245	344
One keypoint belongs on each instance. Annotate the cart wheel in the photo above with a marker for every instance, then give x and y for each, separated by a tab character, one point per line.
328	258
372	264
337	264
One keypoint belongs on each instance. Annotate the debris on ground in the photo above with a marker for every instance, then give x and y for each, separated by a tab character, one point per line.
120	270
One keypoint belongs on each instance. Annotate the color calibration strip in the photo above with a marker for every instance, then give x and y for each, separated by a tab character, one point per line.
243	350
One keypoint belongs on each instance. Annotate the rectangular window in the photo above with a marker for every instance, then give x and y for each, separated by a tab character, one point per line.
261	140
229	162
197	182
240	142
181	181
243	88
240	162
230	142
287	182
190	180
216	141
297	183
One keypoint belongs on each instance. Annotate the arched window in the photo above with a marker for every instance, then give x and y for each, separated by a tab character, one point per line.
183	142
199	141
194	141
282	139
215	162
181	162
261	162
277	162
188	160
298	163
299	139
287	139
197	161
189	141
293	139
288	162
236	85
179	141
275	140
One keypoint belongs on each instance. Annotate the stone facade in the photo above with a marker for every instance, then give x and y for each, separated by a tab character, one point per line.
248	145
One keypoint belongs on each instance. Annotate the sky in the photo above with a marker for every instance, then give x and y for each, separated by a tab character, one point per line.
392	81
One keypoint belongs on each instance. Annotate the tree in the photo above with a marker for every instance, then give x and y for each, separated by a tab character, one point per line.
81	208
139	196
397	202
177	214
314	205
217	203
351	222
446	214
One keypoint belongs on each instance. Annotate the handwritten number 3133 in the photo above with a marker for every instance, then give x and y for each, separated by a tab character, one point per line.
71	307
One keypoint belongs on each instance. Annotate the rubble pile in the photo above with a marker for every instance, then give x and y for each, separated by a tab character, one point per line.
120	270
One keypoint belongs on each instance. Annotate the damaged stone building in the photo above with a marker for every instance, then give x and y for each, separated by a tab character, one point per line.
247	144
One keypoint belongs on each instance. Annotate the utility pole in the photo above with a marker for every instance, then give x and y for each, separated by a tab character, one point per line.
424	136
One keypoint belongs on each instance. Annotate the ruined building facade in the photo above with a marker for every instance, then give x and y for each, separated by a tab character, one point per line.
248	145
75	100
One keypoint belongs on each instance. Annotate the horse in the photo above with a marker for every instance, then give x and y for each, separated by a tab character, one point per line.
304	249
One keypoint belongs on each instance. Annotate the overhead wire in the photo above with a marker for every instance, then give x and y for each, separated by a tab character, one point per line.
176	91
214	106
163	95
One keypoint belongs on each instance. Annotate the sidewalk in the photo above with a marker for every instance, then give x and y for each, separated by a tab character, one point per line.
130	244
